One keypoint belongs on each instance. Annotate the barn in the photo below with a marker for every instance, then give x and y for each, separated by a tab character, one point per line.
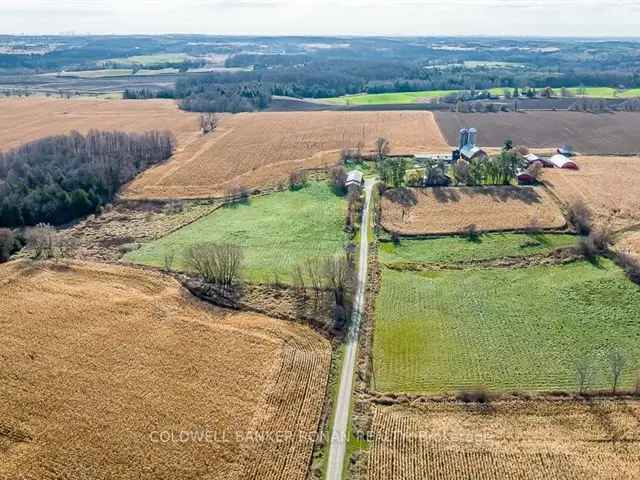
560	161
525	178
533	158
354	179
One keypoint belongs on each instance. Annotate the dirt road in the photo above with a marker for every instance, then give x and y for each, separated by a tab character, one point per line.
338	444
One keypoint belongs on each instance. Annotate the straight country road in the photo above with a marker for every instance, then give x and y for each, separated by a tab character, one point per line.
337	447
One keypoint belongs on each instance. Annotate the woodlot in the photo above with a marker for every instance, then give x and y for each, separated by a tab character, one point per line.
256	150
555	440
111	372
454	210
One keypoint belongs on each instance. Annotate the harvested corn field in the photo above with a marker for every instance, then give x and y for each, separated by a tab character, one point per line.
607	185
555	440
111	372
256	150
23	120
453	210
630	244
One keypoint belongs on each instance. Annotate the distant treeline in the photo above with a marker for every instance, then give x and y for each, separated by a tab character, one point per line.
284	76
58	179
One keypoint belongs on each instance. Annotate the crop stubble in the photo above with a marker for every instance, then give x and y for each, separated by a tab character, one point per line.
255	150
97	358
559	440
452	210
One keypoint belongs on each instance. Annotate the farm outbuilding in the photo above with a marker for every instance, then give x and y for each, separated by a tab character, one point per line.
525	178
533	158
354	179
560	161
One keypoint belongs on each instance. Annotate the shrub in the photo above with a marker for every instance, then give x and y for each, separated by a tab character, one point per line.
580	216
220	264
602	237
297	180
8	244
43	241
471	232
630	265
338	176
478	395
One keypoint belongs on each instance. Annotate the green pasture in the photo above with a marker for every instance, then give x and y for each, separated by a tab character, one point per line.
277	232
504	329
461	249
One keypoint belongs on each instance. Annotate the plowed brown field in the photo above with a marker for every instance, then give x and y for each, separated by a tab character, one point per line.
589	133
261	149
599	440
608	185
111	372
23	120
453	210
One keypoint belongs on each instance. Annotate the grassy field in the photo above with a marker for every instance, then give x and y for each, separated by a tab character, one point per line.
460	249
415	97
277	232
155	59
504	329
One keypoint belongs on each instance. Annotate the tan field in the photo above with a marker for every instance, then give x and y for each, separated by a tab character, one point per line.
630	243
23	120
111	372
608	185
453	210
255	150
598	440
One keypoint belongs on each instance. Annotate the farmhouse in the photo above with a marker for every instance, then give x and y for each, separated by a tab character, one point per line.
354	179
560	161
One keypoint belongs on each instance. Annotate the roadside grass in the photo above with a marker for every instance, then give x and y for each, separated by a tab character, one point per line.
277	232
461	249
504	329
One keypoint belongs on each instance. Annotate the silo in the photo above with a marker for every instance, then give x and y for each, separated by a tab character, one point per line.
464	138
473	136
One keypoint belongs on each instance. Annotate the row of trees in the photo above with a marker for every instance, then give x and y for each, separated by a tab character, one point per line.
497	170
58	179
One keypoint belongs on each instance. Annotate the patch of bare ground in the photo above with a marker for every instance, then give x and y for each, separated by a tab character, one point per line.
108	236
588	133
451	210
568	440
113	372
561	256
256	150
607	185
23	120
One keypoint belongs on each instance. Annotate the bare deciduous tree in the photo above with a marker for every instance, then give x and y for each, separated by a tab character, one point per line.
383	147
617	364
220	264
208	122
169	258
584	373
43	240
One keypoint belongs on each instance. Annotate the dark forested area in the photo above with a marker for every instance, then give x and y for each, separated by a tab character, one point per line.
58	179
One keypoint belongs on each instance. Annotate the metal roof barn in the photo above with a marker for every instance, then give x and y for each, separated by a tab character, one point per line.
560	161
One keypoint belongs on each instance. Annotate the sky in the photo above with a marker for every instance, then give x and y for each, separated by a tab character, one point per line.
619	18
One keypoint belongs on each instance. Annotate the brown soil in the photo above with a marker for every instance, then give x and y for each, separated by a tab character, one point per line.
257	150
23	120
98	360
588	133
596	439
453	210
607	185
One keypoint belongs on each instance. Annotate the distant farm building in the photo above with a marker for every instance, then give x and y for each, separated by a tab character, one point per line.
533	158
566	150
467	148
525	178
560	161
355	179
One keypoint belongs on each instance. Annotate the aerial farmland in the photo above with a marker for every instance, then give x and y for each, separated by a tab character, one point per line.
348	259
